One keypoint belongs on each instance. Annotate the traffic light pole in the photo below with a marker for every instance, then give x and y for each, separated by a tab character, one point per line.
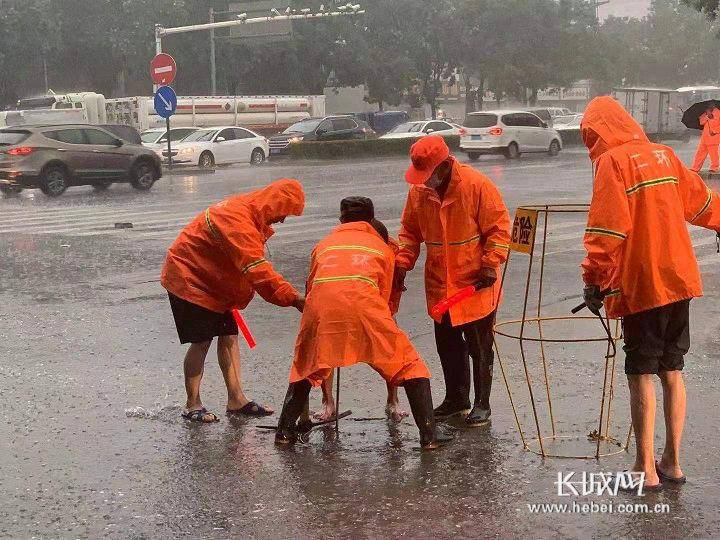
242	19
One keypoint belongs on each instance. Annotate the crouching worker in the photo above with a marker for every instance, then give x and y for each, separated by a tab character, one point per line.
217	264
347	320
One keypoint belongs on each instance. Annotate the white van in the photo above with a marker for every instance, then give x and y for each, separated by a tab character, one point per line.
508	132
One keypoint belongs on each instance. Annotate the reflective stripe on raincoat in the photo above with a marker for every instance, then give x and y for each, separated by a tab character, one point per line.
637	240
218	260
468	230
347	319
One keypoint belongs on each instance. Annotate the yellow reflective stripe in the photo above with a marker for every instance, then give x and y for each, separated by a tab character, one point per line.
210	225
605	232
501	246
462	242
614	292
346	278
705	206
352	248
253	265
650	183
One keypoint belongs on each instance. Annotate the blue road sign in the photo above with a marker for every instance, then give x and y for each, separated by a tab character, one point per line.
165	102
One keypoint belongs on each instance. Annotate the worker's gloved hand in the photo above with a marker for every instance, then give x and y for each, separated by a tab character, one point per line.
593	298
399	279
299	304
488	277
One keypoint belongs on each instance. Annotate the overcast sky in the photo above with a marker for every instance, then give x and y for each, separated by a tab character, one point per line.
625	8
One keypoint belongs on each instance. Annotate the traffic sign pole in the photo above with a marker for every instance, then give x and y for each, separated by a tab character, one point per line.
167	124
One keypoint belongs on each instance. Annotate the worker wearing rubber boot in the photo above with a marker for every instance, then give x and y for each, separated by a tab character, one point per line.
640	261
709	141
347	320
216	264
460	216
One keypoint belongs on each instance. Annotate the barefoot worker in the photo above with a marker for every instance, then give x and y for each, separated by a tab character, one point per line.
347	320
639	249
217	264
460	216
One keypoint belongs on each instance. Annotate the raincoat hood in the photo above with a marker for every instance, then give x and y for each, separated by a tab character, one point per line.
277	201
606	125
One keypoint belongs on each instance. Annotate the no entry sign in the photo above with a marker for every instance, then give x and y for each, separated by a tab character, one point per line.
163	69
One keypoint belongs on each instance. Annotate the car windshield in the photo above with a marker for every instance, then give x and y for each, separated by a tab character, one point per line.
151	136
481	120
306	126
8	138
203	135
407	127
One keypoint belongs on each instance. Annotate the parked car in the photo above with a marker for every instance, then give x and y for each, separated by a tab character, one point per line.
508	132
219	145
55	157
157	138
415	130
382	122
570	121
328	128
127	133
548	114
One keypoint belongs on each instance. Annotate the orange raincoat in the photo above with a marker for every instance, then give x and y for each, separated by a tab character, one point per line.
347	318
468	230
218	260
711	128
637	239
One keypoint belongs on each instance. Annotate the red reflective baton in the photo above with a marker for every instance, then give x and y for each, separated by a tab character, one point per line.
243	327
441	308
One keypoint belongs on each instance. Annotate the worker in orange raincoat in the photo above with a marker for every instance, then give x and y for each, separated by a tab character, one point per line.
347	320
460	216
216	264
640	259
709	140
394	412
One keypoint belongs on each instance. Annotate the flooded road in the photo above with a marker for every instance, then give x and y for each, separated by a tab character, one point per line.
93	442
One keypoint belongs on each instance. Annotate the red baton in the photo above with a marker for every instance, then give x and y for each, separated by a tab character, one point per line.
244	329
441	308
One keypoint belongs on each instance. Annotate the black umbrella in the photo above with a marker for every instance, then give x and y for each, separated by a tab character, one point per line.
691	117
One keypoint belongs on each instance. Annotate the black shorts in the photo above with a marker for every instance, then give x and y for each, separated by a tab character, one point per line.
658	339
195	324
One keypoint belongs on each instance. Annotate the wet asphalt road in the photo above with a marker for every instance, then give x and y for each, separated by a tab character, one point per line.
91	372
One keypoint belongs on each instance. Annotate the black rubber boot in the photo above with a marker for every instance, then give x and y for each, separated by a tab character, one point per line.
455	361
295	400
420	399
483	376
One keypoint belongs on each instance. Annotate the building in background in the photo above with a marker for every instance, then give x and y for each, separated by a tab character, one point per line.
624	8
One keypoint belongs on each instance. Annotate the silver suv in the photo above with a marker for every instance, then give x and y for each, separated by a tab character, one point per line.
53	158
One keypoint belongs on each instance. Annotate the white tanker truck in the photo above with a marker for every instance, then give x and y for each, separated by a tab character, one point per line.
266	114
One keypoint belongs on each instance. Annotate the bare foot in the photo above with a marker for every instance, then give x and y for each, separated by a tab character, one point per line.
394	412
328	412
651	477
670	469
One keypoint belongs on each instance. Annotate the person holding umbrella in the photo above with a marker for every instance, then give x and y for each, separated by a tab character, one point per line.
706	117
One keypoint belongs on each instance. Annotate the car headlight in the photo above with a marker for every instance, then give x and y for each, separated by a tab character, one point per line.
293	140
186	151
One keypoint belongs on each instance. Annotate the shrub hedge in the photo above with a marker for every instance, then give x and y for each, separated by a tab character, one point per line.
359	148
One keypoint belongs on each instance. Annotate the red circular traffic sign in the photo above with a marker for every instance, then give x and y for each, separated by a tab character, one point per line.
163	69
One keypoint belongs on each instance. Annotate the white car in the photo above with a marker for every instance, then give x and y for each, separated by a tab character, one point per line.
420	128
156	139
228	144
508	132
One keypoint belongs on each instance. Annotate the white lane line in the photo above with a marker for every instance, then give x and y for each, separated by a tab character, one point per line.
42	222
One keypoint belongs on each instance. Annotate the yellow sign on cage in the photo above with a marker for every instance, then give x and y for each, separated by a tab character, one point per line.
523	231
